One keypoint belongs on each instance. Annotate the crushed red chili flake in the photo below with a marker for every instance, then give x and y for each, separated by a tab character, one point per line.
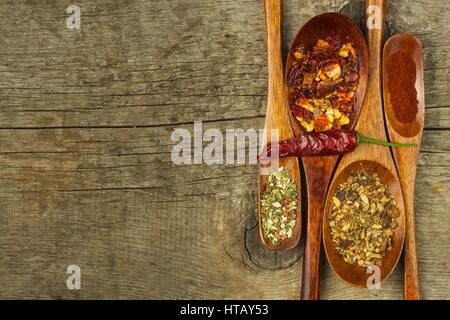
322	82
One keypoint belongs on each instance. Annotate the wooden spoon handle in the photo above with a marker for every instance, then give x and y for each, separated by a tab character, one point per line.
311	256
277	107
318	173
375	20
272	11
371	118
411	285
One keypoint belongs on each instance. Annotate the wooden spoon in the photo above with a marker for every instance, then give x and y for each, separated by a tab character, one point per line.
277	117
406	158
318	170
369	158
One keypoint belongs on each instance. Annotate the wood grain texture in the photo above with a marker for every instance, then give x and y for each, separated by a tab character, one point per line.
86	176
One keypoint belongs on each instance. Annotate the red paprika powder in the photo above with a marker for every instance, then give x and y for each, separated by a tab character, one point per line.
401	84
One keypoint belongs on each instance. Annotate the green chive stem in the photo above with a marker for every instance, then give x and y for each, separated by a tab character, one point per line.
365	139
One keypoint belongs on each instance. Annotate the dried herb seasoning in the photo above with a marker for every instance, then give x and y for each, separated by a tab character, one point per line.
363	219
279	207
322	82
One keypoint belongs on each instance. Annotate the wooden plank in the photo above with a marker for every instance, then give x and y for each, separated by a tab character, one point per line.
85	171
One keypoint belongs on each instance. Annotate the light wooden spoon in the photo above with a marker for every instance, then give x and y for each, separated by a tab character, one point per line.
406	158
368	158
318	170
277	117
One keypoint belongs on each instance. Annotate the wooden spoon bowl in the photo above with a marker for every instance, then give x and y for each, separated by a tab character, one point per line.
354	274
320	27
411	45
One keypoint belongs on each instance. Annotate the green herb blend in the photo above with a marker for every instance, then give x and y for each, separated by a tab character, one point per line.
279	207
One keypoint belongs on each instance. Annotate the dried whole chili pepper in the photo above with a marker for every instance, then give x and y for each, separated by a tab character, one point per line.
328	143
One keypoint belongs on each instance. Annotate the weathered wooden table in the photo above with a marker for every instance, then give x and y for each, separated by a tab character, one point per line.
86	176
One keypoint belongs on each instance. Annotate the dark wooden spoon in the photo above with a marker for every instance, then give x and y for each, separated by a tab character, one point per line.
369	158
406	158
277	117
318	170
